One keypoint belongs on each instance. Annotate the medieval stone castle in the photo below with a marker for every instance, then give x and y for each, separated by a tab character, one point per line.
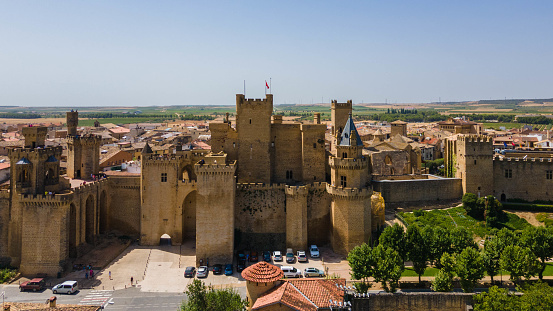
266	184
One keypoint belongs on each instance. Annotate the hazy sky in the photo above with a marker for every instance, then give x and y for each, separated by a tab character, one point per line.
120	53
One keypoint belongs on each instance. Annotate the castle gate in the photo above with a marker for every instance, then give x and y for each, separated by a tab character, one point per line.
189	216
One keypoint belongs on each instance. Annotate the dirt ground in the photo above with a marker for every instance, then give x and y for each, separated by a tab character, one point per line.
529	216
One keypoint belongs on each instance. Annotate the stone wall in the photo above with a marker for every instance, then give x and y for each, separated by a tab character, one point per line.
527	179
318	214
414	302
417	190
124	205
260	216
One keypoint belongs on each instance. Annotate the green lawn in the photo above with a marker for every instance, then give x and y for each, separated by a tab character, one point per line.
431	271
452	217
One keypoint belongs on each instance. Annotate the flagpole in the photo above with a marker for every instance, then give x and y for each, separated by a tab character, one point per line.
244	88
271	85
265	88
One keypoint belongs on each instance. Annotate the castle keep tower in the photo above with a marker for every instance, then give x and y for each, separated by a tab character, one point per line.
398	127
350	191
83	156
253	125
470	158
36	168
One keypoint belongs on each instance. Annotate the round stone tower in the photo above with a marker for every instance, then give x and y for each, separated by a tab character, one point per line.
260	278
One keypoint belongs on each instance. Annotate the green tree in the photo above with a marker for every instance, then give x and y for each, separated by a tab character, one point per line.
470	268
388	267
361	262
491	255
417	249
496	299
440	244
492	211
394	237
201	297
443	282
469	202
461	238
519	262
540	241
537	297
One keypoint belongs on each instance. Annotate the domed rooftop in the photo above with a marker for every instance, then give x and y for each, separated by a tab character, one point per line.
262	272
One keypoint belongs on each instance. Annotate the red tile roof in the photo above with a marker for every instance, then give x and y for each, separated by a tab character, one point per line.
262	272
303	295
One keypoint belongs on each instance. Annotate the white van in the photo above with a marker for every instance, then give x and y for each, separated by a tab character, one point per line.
67	287
290	272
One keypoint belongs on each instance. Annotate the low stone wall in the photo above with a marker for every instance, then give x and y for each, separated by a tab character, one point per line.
433	188
414	302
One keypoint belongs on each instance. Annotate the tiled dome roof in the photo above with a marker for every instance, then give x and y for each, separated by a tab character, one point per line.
262	272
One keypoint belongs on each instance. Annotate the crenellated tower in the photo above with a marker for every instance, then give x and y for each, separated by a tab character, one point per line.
253	126
83	156
35	168
470	157
215	209
351	192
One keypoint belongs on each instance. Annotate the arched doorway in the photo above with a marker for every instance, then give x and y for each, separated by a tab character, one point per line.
72	232
503	197
165	239
189	216
104	226
89	220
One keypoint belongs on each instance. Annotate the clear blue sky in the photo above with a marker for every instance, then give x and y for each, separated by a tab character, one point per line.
122	53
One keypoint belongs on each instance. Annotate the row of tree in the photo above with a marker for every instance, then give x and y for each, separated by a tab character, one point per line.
402	111
537	297
419	116
12	115
454	252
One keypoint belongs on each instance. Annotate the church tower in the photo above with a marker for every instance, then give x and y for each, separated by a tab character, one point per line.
350	190
83	156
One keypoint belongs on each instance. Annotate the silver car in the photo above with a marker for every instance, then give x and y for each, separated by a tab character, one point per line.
313	272
202	272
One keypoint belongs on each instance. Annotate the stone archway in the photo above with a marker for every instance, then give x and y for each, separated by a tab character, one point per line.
89	220
189	216
104	213
72	231
187	173
503	197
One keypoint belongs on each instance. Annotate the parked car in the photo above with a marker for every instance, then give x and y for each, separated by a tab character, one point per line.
290	272
241	265
290	258
217	269
311	272
34	285
228	269
302	257
277	256
189	272
267	256
67	287
253	256
202	272
241	255
314	251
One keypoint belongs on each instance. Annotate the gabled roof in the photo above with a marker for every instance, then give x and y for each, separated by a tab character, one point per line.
147	148
345	140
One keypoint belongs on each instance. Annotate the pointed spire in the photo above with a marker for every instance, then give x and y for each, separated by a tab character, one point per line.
350	136
147	149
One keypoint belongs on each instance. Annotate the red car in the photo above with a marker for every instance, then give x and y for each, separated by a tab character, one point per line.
253	256
34	285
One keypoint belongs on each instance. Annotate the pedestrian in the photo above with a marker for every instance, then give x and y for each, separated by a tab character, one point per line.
131	280
86	275
110	275
91	273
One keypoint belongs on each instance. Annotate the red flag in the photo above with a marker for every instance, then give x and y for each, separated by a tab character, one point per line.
513	144
267	85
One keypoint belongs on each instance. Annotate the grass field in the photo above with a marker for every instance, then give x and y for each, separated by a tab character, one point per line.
430	271
452	217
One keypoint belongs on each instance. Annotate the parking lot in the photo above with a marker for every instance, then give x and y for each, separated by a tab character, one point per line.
161	269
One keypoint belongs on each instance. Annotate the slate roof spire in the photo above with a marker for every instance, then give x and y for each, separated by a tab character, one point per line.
350	136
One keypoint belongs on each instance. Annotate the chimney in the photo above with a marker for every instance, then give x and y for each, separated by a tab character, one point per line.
317	118
52	301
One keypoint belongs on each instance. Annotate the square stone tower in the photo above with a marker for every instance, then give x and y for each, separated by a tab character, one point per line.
83	156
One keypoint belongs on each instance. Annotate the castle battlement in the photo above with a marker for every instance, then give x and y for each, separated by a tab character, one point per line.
319	185
4	194
352	193
89	185
335	104
39	151
241	100
215	168
259	186
46	199
84	140
296	190
348	163
475	139
505	159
